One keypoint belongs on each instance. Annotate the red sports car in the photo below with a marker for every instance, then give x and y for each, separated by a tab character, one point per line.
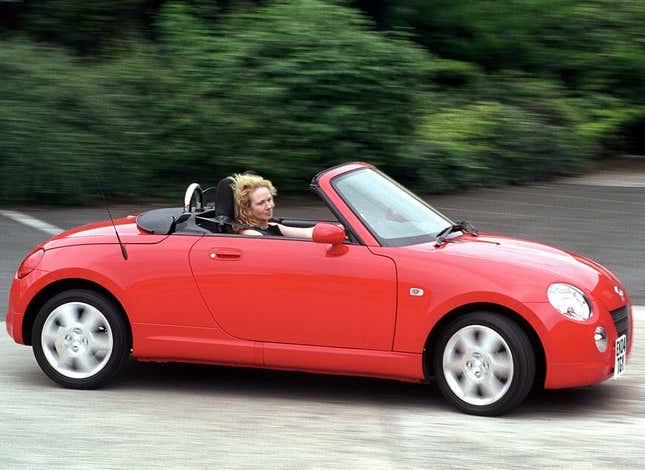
391	288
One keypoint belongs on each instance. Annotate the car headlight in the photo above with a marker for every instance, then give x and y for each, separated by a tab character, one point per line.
569	301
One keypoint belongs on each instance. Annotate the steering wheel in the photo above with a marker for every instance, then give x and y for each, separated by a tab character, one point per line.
194	193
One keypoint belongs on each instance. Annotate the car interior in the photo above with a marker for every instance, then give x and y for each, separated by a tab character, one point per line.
211	211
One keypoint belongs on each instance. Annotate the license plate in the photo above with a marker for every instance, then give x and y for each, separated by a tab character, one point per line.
621	352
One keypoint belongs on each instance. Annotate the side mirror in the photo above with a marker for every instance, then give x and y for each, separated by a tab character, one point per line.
324	232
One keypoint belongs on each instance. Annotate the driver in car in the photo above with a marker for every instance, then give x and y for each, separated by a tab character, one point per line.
254	205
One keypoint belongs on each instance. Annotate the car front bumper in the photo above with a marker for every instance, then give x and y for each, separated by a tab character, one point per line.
572	357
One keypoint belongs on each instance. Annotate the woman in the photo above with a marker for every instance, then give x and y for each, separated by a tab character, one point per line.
254	208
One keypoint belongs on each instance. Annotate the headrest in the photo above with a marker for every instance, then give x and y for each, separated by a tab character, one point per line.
224	199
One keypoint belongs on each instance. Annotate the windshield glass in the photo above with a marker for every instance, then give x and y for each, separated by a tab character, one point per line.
395	216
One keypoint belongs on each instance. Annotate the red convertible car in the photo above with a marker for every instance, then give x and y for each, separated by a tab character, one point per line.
391	289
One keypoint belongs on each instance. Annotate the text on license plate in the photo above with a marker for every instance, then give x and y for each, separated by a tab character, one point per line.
621	354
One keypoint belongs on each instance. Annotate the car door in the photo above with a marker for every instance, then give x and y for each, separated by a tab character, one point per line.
297	292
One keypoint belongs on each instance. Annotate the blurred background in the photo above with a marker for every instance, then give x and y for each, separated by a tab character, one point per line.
143	97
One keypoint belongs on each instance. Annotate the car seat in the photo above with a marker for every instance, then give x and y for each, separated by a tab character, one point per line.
225	205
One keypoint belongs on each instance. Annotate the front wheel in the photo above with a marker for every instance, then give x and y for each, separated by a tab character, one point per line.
80	339
484	363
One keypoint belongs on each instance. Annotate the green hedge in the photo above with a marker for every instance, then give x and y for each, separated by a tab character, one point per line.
61	137
291	88
488	143
286	89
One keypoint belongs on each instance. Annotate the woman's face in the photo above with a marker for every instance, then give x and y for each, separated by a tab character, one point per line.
261	205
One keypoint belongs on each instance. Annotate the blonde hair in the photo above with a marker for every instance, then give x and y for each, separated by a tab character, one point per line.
243	186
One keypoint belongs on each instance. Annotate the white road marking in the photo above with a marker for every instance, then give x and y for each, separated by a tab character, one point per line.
32	222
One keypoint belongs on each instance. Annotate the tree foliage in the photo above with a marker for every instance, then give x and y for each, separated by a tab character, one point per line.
488	143
293	86
145	96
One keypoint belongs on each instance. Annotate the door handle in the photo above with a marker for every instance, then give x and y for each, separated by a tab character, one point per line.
225	254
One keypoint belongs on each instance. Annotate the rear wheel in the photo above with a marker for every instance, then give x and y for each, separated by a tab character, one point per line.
80	339
484	363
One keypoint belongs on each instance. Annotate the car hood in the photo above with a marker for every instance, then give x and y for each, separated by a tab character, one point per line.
103	233
520	266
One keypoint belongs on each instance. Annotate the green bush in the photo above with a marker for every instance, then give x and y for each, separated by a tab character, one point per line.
290	87
606	123
293	87
594	49
288	90
489	143
61	139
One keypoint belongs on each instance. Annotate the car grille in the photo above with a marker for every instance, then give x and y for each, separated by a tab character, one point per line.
621	320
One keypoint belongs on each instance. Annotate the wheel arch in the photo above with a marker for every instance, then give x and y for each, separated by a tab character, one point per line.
61	286
536	343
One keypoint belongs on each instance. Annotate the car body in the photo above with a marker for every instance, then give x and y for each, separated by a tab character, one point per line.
390	289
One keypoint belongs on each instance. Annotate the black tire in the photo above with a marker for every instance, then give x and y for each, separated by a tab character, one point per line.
80	339
484	363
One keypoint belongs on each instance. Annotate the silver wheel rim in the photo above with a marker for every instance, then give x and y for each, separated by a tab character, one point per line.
478	365
77	340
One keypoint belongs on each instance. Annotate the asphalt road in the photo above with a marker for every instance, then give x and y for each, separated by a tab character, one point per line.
174	415
187	416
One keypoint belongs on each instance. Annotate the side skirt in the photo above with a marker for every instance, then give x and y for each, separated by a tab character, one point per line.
162	343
